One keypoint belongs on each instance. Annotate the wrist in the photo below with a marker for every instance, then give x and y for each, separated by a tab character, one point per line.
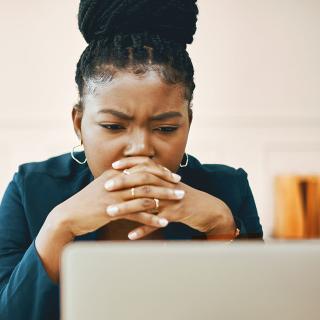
225	228
57	225
49	243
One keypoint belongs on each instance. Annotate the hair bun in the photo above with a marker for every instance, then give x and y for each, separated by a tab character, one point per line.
172	19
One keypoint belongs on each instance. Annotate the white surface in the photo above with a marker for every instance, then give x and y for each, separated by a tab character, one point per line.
189	280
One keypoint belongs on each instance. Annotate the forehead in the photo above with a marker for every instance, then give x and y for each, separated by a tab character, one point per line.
129	92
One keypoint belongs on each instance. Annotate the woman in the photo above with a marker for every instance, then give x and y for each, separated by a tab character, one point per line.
134	179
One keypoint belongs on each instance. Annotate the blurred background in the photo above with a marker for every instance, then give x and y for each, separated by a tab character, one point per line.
256	103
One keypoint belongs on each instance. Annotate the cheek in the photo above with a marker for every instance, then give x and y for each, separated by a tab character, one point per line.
172	153
101	151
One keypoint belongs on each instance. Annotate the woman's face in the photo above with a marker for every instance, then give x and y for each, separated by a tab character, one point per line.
133	116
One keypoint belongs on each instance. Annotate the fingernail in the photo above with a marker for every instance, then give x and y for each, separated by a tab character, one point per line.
117	164
109	184
132	235
179	193
163	222
112	210
176	177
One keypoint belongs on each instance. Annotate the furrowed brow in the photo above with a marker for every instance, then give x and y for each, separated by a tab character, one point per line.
117	113
166	115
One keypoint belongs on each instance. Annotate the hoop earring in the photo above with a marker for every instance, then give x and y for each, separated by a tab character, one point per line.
74	158
184	165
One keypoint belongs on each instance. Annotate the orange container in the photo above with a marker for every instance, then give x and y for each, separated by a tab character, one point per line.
297	207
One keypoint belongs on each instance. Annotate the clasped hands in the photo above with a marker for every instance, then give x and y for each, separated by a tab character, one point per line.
155	195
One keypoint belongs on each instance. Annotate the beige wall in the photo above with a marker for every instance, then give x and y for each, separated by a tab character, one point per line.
256	103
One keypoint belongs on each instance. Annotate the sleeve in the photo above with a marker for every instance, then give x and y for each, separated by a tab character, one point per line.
246	218
26	291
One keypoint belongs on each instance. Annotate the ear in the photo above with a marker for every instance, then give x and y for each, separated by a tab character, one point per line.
77	113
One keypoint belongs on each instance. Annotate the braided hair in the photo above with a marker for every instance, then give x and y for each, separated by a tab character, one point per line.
136	36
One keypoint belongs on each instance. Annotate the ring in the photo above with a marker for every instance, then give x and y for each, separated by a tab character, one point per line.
132	192
126	171
157	202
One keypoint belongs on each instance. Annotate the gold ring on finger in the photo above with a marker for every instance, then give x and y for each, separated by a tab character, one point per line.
132	192
157	202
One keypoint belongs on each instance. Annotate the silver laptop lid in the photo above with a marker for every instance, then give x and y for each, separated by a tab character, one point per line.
184	280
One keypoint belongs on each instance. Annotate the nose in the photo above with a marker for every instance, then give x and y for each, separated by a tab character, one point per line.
139	144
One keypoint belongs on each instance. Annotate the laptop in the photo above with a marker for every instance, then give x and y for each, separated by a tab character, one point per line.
188	280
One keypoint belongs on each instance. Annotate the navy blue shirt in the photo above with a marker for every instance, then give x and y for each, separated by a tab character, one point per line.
26	291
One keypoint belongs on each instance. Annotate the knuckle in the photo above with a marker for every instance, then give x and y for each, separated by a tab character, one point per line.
134	217
144	167
146	190
147	203
148	161
106	175
121	180
166	171
124	207
144	216
139	217
145	176
150	220
178	206
154	219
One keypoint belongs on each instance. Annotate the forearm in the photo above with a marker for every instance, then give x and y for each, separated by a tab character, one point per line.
49	243
26	291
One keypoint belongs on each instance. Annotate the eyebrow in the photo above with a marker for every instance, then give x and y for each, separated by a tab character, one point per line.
124	116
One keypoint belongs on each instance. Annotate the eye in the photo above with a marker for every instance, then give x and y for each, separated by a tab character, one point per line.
112	127
167	129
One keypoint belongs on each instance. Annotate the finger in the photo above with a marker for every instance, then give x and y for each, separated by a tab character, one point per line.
141	232
131	206
108	174
146	229
149	191
172	215
156	170
136	179
130	162
146	162
147	219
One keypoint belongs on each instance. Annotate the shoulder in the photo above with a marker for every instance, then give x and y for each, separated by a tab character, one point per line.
40	186
231	185
61	166
227	174
223	170
225	182
213	172
54	179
